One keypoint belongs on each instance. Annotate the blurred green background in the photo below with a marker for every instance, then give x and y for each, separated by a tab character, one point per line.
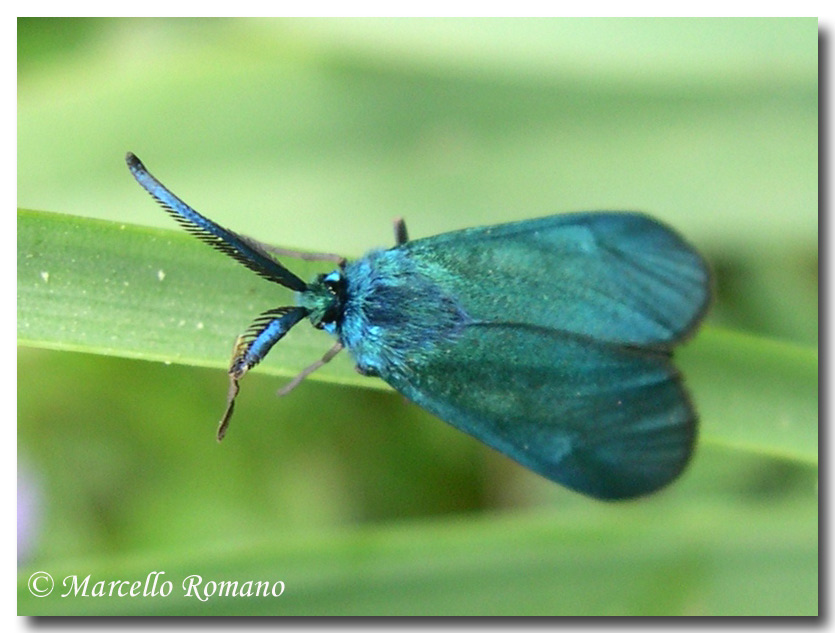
315	134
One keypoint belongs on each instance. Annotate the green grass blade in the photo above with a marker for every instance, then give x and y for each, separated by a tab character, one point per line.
101	287
754	393
95	286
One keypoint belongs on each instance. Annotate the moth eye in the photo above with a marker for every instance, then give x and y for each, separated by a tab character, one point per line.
333	282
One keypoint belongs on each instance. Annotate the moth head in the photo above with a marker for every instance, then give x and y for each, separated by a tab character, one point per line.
324	299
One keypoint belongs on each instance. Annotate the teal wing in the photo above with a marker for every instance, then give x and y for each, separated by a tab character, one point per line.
557	351
604	420
620	277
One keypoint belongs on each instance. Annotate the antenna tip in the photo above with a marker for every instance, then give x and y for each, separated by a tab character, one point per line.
132	160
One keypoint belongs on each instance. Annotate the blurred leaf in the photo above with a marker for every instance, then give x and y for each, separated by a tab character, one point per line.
709	124
613	560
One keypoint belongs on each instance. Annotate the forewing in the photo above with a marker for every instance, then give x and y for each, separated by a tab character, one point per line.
619	277
602	419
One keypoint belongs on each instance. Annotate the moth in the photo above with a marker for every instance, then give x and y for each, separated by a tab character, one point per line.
549	340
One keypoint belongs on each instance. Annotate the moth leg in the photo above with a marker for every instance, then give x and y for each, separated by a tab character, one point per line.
230	406
401	236
333	351
306	256
238	350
